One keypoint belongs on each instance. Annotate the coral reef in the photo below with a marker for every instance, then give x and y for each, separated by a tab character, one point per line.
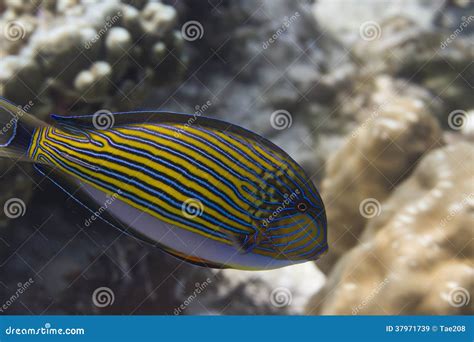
427	57
277	292
77	57
354	15
81	56
417	256
366	91
427	43
252	70
396	128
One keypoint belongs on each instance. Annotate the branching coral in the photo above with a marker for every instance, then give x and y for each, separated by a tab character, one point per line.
83	56
78	57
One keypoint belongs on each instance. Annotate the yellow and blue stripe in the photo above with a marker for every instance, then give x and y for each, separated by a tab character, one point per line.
156	167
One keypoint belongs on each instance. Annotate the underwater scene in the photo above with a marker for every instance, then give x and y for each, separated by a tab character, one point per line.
247	157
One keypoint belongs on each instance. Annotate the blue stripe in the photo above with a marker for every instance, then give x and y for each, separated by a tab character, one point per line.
173	166
251	160
123	230
149	189
179	169
304	236
197	150
285	226
313	250
139	200
306	182
228	156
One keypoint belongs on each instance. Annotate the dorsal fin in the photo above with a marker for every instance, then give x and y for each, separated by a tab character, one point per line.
121	119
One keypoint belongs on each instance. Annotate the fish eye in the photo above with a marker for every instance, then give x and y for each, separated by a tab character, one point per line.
302	207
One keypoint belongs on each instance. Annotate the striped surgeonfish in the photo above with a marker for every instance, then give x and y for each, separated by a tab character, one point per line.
203	190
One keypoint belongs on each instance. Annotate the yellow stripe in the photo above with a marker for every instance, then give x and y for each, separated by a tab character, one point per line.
128	188
34	142
175	159
163	187
255	163
176	176
209	151
246	149
223	147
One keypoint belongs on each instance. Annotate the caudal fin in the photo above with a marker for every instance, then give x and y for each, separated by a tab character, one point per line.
16	129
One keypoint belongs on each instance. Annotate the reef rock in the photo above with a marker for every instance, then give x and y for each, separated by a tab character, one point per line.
77	57
426	42
432	58
48	51
396	128
234	292
417	256
361	19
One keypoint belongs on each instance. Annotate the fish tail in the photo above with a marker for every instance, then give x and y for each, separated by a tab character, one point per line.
16	130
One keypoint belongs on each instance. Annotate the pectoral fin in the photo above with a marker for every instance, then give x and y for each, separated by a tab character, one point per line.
246	243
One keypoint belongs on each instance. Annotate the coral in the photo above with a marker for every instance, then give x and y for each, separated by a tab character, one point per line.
396	128
429	58
354	15
428	43
94	83
468	125
81	56
77	57
276	292
417	256
157	18
368	104
253	70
